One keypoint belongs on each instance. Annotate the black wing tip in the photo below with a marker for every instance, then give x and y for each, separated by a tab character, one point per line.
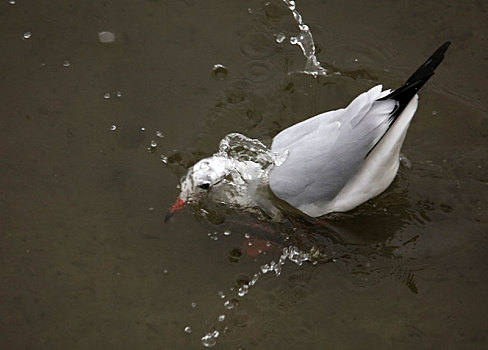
405	93
413	84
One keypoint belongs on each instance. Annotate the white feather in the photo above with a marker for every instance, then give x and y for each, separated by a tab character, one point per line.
328	167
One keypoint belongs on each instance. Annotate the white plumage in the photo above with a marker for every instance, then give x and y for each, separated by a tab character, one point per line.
338	159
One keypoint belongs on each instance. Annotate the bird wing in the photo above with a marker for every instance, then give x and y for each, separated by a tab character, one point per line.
326	151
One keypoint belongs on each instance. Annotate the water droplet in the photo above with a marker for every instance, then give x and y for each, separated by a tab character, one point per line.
187	329
219	71
66	63
210	339
243	290
254	279
106	37
280	37
226	233
356	60
143	129
230	304
27	35
221	318
106	95
113	127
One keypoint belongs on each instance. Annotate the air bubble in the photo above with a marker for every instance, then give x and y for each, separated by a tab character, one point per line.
221	318
154	144
219	71
12	2
106	95
159	134
66	63
164	159
118	94
113	127
106	37
27	35
193	305
210	339
187	329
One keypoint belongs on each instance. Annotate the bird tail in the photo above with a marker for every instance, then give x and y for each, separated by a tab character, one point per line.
405	93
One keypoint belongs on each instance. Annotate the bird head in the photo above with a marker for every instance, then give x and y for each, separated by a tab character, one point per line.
199	181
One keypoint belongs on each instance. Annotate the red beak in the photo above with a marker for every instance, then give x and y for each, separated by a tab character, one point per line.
176	207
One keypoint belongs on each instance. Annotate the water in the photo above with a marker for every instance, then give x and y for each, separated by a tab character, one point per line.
305	41
85	264
236	176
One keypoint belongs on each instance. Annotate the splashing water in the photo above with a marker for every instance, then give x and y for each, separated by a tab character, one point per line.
291	253
305	40
243	164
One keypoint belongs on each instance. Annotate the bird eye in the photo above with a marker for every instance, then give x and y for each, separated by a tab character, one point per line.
204	186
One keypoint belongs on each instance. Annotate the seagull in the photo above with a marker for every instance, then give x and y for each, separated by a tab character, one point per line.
334	161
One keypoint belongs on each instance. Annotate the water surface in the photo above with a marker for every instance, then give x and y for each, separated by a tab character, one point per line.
86	178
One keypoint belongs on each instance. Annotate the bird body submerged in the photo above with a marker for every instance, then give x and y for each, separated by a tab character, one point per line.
340	159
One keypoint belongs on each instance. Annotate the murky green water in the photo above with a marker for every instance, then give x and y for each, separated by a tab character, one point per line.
86	261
